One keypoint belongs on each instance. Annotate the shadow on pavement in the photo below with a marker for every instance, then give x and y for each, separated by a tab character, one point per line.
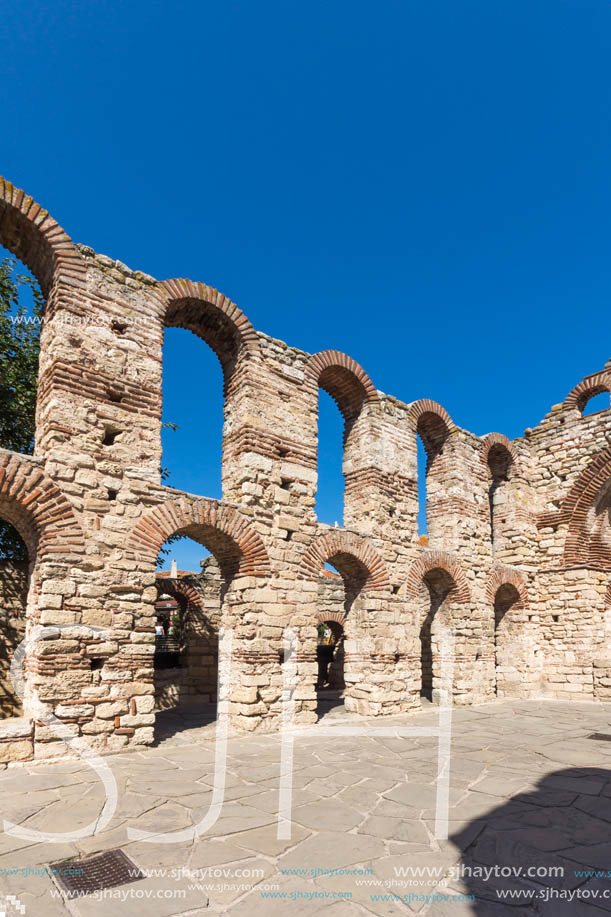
547	851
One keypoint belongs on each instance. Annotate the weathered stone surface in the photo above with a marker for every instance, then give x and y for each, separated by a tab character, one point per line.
16	751
19	727
516	559
548	825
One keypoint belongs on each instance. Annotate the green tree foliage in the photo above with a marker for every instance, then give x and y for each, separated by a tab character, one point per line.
21	305
165	550
21	308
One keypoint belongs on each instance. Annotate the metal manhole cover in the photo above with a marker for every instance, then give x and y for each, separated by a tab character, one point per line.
600	736
82	877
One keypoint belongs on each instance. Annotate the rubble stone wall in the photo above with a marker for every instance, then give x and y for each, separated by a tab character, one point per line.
14	582
518	558
195	678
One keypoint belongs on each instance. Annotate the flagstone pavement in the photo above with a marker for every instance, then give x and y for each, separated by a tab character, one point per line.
529	815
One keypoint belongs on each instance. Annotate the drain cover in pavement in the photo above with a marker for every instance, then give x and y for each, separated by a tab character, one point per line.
82	877
600	736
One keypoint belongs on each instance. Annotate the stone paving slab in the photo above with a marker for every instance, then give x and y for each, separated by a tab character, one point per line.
527	789
266	841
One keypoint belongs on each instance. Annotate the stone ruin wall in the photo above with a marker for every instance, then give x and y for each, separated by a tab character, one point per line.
14	577
194	680
518	558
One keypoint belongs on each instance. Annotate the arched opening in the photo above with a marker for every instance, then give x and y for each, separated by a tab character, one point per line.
15	573
330	656
240	557
432	435
587	540
340	616
193	414
21	307
33	236
170	613
506	637
187	617
331	662
499	466
594	401
598	524
331	373
330	485
339	588
218	322
436	588
212	324
353	599
422	518
47	254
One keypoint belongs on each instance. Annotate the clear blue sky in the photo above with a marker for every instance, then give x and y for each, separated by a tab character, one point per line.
425	186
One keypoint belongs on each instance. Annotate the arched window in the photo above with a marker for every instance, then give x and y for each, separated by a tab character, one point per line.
594	402
506	639
330	619
33	237
348	385
432	435
350	576
21	305
436	589
187	620
598	523
236	547
339	587
192	435
499	466
330	488
198	398
14	586
422	516
591	395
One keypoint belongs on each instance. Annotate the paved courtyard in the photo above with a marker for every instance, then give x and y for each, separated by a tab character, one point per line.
529	790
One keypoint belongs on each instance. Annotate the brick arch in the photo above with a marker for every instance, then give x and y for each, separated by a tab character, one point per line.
221	529
345	548
418	409
437	560
580	499
210	315
185	594
434	425
33	236
490	440
338	616
592	385
35	506
342	378
503	576
177	587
